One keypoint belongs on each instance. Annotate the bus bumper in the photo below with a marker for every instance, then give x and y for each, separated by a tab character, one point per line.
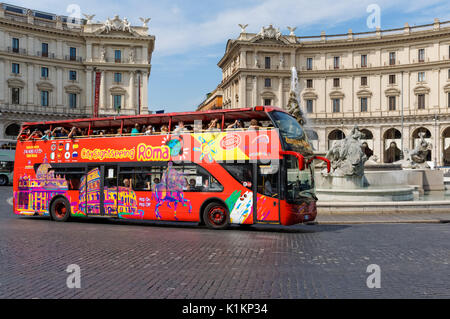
298	213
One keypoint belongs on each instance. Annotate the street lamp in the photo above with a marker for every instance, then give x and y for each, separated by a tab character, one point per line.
436	139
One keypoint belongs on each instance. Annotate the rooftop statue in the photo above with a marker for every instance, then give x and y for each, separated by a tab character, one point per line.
346	156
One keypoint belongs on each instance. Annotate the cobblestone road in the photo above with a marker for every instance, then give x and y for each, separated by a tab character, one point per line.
150	260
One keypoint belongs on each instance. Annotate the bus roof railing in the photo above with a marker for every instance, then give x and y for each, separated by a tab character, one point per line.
244	114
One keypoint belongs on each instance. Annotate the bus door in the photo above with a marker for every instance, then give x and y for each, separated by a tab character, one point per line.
266	189
110	190
94	187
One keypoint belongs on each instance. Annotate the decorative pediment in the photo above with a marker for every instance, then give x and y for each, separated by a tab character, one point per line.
72	89
421	89
310	96
270	35
337	95
364	93
392	92
117	90
16	83
267	95
447	88
116	26
44	86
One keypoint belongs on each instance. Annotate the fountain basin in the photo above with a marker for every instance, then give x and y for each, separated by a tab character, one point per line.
367	194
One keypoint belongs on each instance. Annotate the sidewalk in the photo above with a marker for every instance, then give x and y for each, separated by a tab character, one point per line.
382	218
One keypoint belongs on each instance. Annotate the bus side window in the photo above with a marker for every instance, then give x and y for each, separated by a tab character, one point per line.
196	179
242	172
268	180
72	175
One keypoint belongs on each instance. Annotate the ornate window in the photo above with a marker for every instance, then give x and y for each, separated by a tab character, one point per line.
336	105
363	103
15	68
392	79
15	96
421	101
336	82
309	106
44	98
364	60
72	100
44	72
421	54
391	58
72	75
364	81
267	62
118	56
392	101
309	63
421	76
73	53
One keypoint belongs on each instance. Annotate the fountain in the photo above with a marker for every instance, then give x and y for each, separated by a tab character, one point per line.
358	183
347	181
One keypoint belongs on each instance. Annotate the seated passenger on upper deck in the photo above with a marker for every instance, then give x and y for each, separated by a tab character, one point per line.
254	125
164	129
180	128
136	130
35	135
236	125
214	125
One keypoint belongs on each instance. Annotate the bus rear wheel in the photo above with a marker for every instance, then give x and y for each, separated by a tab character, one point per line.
216	216
60	210
3	180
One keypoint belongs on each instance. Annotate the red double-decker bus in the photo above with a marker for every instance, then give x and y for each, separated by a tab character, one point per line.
247	166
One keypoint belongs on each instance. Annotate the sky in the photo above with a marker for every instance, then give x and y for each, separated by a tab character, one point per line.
191	35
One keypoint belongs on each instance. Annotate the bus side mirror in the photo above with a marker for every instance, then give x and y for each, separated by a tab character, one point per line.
300	158
326	160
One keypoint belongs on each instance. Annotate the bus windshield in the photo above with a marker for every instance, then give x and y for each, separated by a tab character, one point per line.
300	183
292	134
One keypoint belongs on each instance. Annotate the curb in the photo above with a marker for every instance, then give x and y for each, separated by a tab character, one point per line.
416	221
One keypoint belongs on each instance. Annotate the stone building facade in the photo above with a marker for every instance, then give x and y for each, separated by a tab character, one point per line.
394	84
50	67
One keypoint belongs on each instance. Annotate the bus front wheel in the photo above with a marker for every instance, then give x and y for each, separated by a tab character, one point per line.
216	216
60	210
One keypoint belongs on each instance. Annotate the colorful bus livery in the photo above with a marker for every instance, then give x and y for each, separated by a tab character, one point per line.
216	177
35	191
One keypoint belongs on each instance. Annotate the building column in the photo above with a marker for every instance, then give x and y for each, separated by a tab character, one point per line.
88	96
243	59
255	91
30	46
59	86
89	52
280	93
144	55
144	93
59	49
243	91
131	92
103	102
30	84
3	88
292	58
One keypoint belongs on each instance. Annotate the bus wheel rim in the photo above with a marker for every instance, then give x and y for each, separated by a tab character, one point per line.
60	210
217	216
